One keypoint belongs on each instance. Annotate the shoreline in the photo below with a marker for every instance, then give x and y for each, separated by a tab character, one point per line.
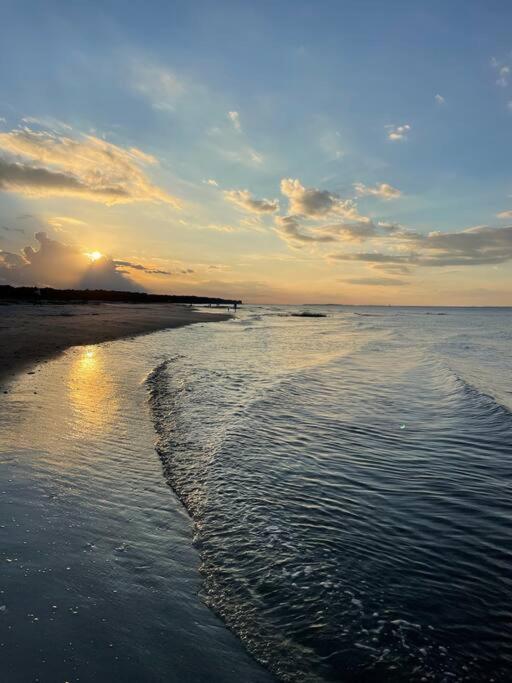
35	333
101	579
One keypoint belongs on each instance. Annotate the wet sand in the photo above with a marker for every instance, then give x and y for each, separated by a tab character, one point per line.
99	577
32	333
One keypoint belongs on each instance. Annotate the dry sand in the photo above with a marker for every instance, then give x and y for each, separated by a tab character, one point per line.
30	333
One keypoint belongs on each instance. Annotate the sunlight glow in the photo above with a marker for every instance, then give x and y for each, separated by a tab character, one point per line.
94	255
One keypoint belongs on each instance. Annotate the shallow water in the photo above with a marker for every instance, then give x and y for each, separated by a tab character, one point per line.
98	577
348	479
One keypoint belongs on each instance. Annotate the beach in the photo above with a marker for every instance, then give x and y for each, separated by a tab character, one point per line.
33	333
255	342
100	579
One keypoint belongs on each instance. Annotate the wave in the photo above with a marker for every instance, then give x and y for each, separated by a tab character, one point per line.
341	507
486	399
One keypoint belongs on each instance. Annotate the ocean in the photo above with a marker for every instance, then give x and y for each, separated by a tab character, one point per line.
345	496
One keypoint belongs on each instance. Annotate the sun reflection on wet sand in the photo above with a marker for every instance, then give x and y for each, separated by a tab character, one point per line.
76	395
91	392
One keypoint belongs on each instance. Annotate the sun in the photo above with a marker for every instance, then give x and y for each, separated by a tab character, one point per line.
94	255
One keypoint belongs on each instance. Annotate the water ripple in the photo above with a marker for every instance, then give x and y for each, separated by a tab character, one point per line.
350	490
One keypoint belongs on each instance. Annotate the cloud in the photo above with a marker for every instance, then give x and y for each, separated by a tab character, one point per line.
398	249
439	99
20	230
398	132
360	231
330	144
376	281
503	72
59	265
212	182
219	227
504	214
393	268
234	117
218	266
240	154
289	229
159	85
254	156
40	182
374	257
383	190
41	164
474	246
47	122
59	221
9	262
481	245
252	222
121	265
391	228
233	148
314	203
309	204
244	200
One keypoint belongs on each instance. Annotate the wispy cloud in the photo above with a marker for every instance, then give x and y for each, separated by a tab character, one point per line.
241	154
376	281
150	270
481	245
221	227
234	117
439	99
393	268
160	85
59	221
330	143
502	69
382	190
374	257
47	122
504	75
7	229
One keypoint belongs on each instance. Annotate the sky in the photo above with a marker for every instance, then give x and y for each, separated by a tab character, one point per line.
321	151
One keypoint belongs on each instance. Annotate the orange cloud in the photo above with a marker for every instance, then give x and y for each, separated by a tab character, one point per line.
41	164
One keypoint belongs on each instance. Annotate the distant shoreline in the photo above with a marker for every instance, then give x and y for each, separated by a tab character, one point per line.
12	294
33	333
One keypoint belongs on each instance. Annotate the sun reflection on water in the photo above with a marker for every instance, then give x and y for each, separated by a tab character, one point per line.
91	392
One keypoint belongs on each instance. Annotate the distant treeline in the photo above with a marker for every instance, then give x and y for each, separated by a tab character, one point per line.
85	295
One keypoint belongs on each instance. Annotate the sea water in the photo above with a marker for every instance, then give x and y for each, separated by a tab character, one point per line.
347	477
